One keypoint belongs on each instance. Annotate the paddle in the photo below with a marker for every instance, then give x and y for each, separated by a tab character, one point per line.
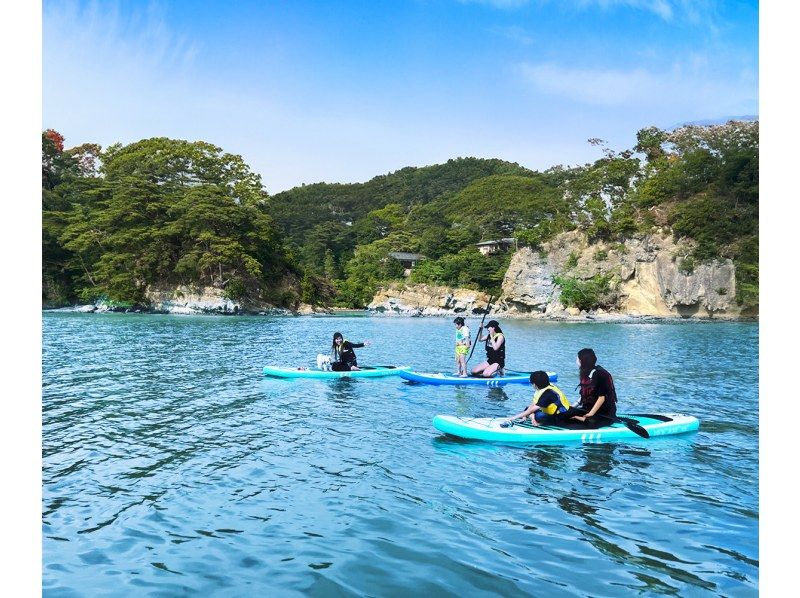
631	424
477	336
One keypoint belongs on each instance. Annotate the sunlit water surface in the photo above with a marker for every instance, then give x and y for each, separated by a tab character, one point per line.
172	466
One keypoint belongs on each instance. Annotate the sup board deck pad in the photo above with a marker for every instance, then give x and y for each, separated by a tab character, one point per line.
510	377
489	429
375	371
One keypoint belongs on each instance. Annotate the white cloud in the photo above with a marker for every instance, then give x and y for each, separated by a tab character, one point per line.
693	89
661	8
515	33
668	10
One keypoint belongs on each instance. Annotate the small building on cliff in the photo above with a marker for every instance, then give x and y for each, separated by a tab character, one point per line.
494	246
407	260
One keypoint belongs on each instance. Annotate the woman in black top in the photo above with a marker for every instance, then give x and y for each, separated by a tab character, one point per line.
495	351
598	405
343	358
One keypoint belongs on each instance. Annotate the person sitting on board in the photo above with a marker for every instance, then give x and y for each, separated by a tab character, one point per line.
549	404
598	404
495	351
463	343
343	358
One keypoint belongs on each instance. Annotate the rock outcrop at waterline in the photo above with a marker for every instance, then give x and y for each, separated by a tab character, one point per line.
649	275
188	300
427	300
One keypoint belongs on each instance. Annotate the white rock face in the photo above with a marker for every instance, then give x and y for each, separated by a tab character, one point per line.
427	300
528	284
645	272
188	300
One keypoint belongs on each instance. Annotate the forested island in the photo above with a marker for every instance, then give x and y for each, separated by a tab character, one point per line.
122	221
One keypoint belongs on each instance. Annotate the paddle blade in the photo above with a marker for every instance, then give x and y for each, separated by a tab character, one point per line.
634	427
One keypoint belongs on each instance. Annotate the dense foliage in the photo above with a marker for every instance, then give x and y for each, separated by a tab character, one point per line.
153	212
166	211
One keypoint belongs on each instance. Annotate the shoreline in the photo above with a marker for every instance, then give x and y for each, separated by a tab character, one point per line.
605	318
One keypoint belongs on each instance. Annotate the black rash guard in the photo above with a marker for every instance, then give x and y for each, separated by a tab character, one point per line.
598	384
345	355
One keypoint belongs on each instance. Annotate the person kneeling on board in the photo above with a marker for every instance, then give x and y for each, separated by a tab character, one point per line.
343	358
495	352
549	404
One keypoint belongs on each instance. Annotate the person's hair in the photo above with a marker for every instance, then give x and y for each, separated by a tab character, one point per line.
459	320
588	360
333	342
494	324
540	379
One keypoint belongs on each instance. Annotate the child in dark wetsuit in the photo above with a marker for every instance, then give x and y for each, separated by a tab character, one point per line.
343	358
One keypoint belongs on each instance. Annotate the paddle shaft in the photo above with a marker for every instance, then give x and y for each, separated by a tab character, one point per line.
477	336
631	424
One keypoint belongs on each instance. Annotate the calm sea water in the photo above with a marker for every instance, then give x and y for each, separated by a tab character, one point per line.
171	466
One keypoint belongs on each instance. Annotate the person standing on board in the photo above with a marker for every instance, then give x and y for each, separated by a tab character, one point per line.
463	343
343	358
598	404
495	351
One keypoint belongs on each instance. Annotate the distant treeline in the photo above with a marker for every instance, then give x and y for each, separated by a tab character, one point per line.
168	212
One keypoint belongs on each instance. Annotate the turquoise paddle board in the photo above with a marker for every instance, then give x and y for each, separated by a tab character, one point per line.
511	377
489	429
377	371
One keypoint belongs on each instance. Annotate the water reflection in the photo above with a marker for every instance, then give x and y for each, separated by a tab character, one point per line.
546	461
599	459
496	394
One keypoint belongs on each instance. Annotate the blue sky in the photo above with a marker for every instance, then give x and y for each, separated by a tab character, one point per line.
344	91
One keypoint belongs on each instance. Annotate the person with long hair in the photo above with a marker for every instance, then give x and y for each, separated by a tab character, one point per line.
598	404
549	405
343	358
495	351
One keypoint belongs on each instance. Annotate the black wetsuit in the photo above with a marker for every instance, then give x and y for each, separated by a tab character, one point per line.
497	356
598	383
345	357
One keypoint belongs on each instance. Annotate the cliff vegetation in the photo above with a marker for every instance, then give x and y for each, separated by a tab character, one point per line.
162	211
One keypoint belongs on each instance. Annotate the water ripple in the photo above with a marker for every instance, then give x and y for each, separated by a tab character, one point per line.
171	466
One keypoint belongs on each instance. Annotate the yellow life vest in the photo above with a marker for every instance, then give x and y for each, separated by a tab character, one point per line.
553	408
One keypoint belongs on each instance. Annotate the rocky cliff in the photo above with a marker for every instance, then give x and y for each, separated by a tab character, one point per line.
198	300
649	275
427	300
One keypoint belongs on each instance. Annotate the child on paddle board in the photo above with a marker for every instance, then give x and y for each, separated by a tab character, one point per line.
463	343
343	358
548	406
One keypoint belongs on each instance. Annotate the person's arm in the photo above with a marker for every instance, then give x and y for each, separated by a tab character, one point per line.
601	388
595	408
355	345
498	341
528	411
